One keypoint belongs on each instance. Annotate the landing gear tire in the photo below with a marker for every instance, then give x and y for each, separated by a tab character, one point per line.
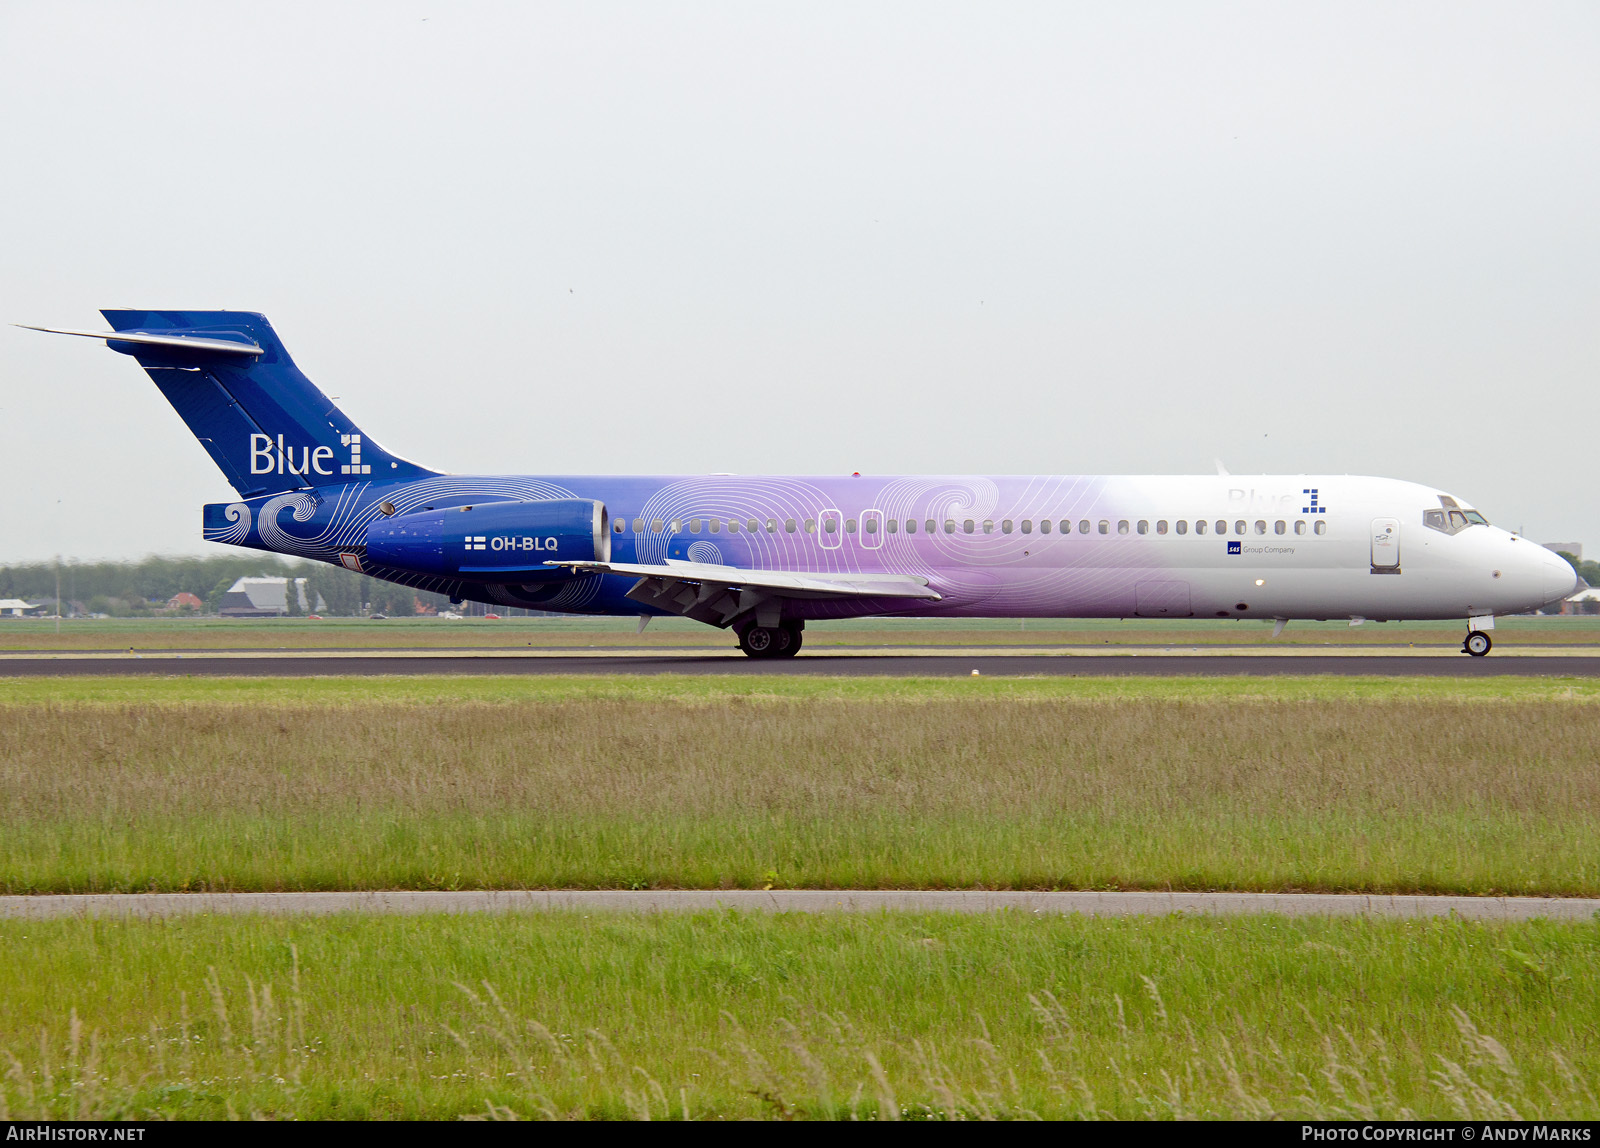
1477	644
770	641
759	641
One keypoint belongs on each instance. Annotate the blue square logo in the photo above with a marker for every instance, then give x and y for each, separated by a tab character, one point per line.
1236	548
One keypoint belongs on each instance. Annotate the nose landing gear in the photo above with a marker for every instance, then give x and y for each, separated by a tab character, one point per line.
1477	644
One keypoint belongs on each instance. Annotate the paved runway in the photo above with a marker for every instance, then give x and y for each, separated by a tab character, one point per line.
941	664
800	901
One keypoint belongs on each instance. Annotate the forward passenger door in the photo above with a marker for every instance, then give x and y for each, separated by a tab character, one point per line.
1386	546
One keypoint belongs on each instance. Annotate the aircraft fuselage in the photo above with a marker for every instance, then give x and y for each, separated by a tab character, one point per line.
1266	546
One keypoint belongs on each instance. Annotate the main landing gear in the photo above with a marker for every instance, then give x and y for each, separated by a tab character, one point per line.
771	641
1477	644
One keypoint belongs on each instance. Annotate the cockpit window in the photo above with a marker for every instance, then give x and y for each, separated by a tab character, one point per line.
1450	519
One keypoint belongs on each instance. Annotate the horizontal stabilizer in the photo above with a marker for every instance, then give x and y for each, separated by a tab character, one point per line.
232	381
213	342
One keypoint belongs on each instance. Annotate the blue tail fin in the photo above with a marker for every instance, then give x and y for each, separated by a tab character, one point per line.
263	422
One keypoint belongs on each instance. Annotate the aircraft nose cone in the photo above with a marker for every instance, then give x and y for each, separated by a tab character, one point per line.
1560	579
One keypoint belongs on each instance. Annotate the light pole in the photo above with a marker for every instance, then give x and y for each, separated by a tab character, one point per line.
58	568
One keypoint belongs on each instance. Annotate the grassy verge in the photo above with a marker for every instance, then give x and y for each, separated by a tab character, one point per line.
354	690
711	783
723	1015
514	633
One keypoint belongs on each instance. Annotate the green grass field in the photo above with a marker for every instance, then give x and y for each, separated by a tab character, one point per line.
721	1015
619	633
1485	786
1481	785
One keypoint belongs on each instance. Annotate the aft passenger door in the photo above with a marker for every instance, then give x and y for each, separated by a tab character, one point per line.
1386	546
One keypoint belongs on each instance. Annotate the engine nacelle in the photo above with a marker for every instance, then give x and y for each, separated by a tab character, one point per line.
494	541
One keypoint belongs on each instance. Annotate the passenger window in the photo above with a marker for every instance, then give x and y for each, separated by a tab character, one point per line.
1300	526
618	525
1044	526
911	526
1222	527
676	527
772	526
811	526
967	526
1105	526
1238	527
656	525
1005	526
1083	526
849	525
1279	526
752	525
733	526
1122	527
931	527
694	526
1200	526
638	526
869	525
891	525
830	526
1261	527
1144	527
1321	527
716	526
988	526
1027	526
788	525
1182	527
949	525
1161	526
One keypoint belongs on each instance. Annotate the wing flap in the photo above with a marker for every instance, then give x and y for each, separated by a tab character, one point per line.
722	595
794	583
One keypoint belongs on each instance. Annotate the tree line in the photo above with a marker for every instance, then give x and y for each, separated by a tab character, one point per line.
132	589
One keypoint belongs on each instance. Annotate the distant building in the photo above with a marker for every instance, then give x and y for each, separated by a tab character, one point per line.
1583	602
183	600
16	607
264	598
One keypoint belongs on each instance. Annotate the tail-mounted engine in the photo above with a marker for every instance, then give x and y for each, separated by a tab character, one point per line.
494	541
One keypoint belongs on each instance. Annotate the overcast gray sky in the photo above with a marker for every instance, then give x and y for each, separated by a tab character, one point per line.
814	238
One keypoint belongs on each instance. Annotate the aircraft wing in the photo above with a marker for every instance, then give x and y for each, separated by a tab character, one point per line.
720	595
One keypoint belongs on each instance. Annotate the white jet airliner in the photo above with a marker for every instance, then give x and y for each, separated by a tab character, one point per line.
762	554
